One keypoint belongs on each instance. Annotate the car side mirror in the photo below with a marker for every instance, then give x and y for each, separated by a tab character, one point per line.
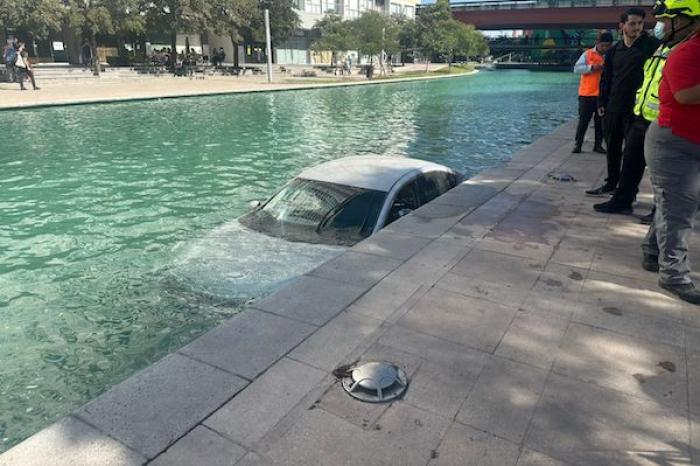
254	204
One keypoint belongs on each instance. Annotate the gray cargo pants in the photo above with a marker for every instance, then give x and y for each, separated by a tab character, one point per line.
674	164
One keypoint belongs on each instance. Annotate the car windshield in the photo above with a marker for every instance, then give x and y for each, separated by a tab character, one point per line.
318	212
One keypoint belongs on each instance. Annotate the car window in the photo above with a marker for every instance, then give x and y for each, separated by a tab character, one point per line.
406	199
318	212
435	184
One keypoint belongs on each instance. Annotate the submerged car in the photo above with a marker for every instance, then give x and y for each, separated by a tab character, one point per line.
315	217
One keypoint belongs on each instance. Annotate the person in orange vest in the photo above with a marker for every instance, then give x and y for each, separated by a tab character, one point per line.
590	67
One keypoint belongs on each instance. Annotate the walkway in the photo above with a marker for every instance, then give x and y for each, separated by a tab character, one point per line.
110	90
530	334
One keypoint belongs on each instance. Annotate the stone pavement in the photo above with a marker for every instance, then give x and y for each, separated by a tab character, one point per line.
529	332
113	90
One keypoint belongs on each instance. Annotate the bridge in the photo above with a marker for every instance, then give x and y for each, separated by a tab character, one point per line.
546	14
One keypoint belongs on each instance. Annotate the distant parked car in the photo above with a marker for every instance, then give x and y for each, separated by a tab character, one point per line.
315	217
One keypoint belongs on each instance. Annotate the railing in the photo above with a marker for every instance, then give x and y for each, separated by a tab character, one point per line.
529	4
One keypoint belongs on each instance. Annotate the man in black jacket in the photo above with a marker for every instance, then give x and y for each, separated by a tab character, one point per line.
623	74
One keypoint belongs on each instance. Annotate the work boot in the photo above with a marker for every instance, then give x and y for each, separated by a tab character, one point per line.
612	207
600	149
605	190
647	219
577	149
686	291
650	263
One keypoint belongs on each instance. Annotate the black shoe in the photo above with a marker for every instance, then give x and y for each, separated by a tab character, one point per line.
577	149
600	150
610	207
650	263
687	292
647	219
604	190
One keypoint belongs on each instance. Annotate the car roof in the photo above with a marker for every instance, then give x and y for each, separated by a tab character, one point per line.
376	172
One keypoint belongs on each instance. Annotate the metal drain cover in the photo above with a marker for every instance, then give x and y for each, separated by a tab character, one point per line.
375	382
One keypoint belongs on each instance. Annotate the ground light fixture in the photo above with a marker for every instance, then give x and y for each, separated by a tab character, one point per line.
374	382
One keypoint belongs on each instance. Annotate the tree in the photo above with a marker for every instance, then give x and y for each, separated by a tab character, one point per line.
38	17
92	17
173	16
333	34
284	20
374	33
440	34
232	18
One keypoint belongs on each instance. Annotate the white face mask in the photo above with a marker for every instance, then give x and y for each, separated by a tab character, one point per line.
659	30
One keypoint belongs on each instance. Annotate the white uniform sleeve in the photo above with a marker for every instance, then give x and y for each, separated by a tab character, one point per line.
582	66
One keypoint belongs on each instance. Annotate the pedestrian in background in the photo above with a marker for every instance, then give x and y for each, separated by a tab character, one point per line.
622	75
672	148
590	67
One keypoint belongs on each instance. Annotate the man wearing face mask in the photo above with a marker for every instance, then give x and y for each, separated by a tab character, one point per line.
672	148
646	110
622	76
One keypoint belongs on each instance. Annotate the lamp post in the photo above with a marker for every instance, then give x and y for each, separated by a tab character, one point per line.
268	45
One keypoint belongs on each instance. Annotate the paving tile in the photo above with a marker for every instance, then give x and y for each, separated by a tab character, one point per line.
339	403
310	299
406	436
504	294
147	412
694	402
357	269
526	249
629	364
617	319
249	343
533	338
70	442
478	223
501	269
630	296
201	447
467	195
466	446
560	281
433	349
389	295
504	399
254	411
424	226
576	250
331	344
394	245
253	459
534	458
574	416
622	260
441	388
440	210
468	321
545	304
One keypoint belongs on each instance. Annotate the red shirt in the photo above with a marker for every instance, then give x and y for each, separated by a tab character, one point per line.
682	71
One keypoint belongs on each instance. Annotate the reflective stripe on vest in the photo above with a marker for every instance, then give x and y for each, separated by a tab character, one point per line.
590	82
647	103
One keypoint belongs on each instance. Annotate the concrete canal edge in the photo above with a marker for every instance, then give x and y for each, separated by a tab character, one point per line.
263	87
495	299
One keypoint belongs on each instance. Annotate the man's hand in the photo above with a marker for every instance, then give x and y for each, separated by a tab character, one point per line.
601	111
596	67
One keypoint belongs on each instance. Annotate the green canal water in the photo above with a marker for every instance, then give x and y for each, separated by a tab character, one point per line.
94	199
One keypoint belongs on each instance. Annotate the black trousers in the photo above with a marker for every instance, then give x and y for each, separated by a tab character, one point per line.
615	125
587	108
632	163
